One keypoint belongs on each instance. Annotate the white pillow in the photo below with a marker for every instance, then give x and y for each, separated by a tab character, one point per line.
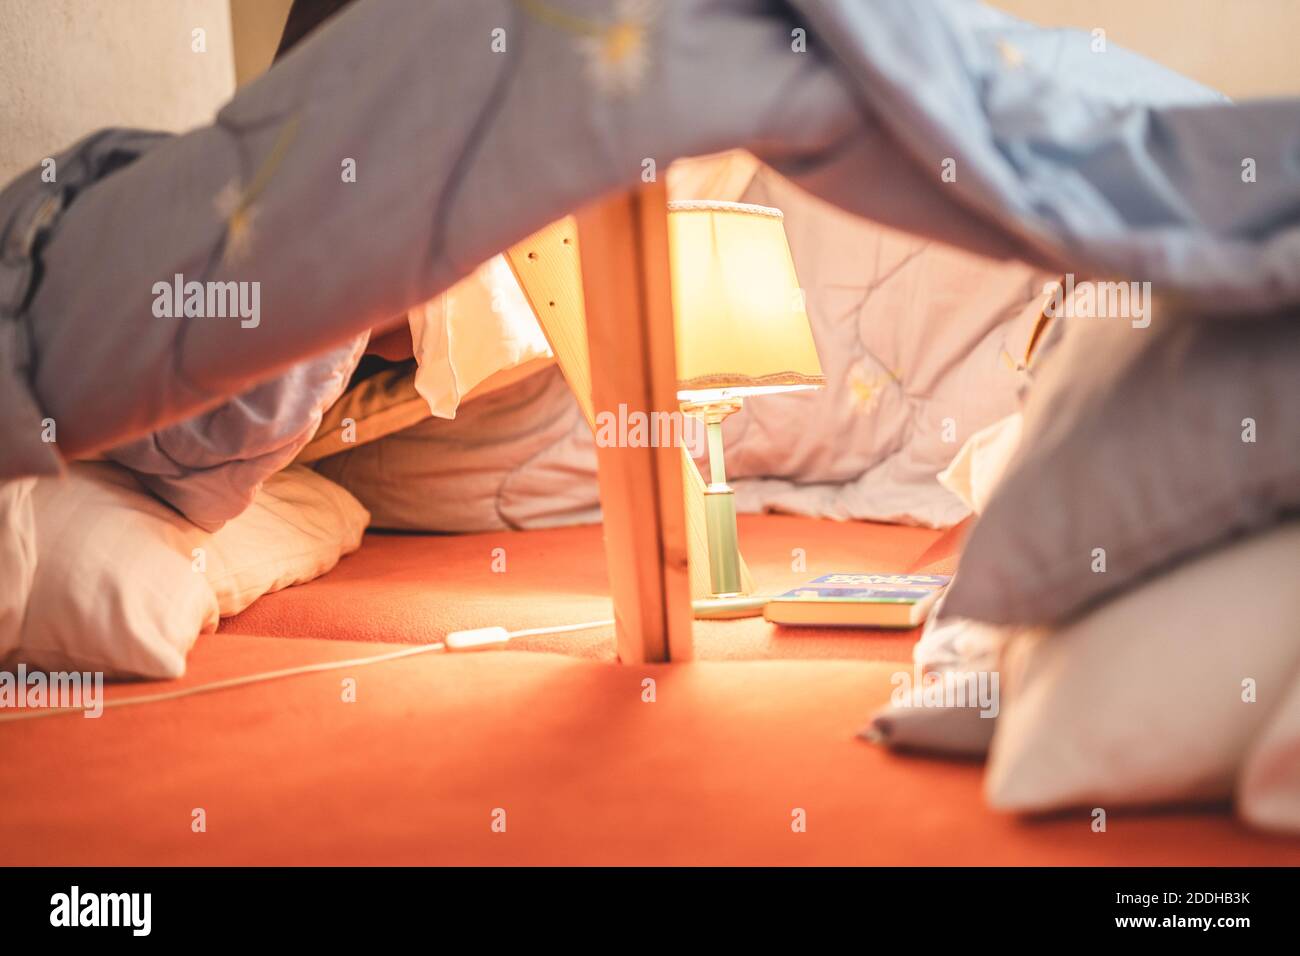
958	642
1141	701
17	558
299	526
463	336
123	584
979	465
1268	790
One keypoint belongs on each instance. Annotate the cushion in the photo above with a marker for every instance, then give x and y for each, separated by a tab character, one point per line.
506	461
299	527
477	337
911	722
463	336
388	401
982	461
1140	447
17	558
1145	699
1268	790
947	641
378	405
123	584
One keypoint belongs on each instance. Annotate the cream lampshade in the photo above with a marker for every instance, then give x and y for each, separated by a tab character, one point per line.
740	320
741	329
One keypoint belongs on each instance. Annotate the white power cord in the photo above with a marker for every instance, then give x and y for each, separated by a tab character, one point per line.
481	638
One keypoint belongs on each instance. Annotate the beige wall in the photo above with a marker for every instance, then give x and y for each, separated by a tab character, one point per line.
68	67
257	26
1241	47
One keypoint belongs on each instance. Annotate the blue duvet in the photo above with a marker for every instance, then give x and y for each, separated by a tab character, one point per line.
471	125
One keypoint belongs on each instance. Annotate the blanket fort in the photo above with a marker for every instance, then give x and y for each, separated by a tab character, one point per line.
460	143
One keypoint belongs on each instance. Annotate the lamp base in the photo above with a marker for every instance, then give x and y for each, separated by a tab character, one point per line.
733	606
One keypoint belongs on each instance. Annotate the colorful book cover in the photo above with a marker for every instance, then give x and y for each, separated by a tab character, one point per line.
869	588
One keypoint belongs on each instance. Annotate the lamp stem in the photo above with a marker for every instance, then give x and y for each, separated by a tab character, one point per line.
720	519
717	464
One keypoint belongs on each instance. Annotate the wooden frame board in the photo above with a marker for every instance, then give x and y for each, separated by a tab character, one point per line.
600	287
628	305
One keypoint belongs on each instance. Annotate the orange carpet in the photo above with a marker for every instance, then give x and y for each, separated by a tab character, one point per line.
416	588
584	770
413	771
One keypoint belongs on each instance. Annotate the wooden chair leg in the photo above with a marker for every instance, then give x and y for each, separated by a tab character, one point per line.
627	292
600	287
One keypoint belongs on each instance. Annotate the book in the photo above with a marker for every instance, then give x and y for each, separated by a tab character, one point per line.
859	600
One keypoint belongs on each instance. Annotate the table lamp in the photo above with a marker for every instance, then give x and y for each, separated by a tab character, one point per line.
741	330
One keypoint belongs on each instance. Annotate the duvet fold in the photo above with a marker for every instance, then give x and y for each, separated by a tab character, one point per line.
404	143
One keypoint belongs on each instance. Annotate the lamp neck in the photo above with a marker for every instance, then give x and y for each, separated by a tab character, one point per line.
717	464
712	414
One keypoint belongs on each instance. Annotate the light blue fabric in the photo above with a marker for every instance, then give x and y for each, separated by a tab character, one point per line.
1098	162
209	466
1081	162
